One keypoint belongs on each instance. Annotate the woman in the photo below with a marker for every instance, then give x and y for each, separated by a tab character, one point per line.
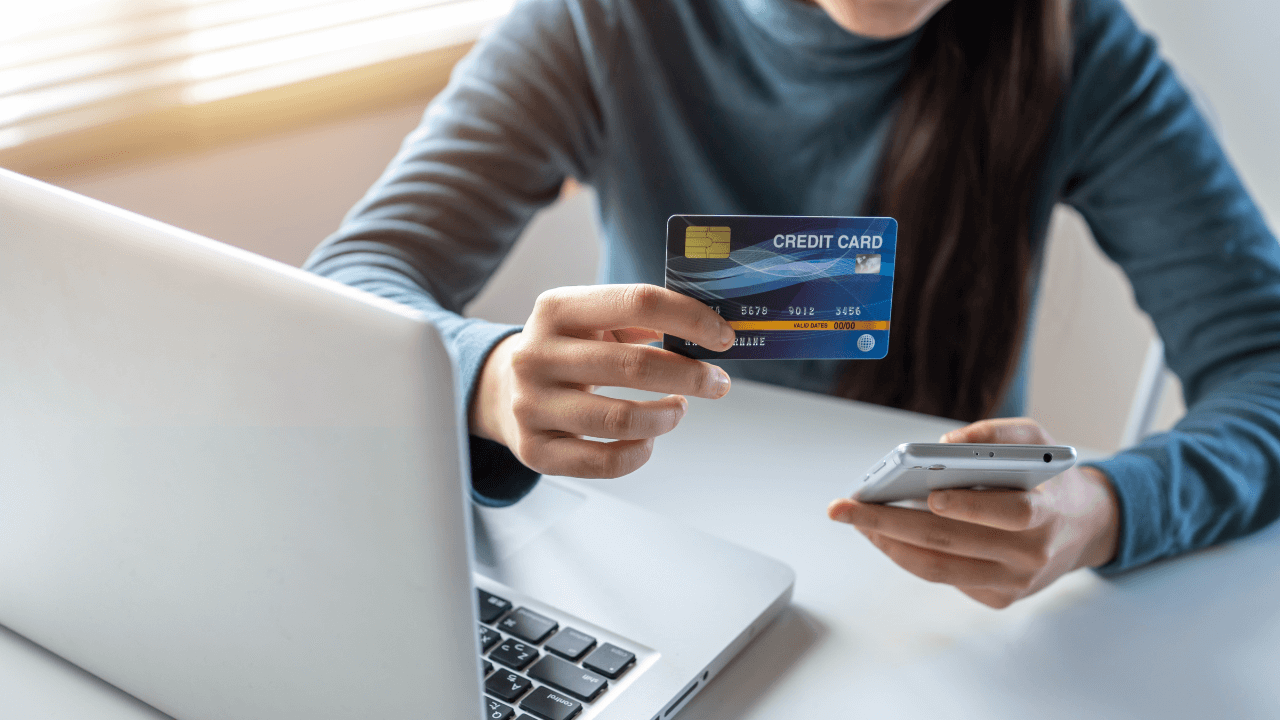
967	121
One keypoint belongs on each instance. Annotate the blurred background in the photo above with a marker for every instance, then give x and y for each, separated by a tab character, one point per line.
260	122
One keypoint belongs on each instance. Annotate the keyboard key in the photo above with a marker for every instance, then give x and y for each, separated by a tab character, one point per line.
571	644
580	683
507	686
488	636
549	704
491	607
488	667
528	625
494	710
609	660
513	654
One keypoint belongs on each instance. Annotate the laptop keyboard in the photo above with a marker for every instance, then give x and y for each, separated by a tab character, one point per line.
534	669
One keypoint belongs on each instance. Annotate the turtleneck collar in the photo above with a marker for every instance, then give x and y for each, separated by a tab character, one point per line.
807	28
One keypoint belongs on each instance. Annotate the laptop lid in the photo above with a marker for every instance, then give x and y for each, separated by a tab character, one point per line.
230	488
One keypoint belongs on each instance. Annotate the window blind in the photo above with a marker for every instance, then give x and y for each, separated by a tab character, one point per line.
66	65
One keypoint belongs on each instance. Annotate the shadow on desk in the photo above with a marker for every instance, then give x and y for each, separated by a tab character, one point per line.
762	665
1192	637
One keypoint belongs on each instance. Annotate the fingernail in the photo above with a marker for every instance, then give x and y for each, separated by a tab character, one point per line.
726	336
721	382
839	514
939	500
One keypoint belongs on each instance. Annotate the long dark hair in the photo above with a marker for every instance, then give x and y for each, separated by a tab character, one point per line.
960	171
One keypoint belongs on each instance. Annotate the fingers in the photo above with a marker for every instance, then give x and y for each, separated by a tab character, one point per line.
636	335
585	362
946	550
998	599
924	530
1010	431
941	567
996	546
619	307
1005	510
535	392
575	457
1011	510
579	413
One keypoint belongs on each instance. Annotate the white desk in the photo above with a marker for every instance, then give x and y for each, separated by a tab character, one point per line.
1196	637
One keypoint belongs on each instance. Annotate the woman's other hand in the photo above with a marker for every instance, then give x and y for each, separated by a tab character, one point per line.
997	546
535	391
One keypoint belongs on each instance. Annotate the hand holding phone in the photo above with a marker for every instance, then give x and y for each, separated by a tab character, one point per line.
995	547
913	470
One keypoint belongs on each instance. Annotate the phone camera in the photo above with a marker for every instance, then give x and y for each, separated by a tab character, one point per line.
1048	457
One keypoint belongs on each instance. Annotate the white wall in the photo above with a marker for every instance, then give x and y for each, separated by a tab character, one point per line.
282	195
1230	51
278	196
1091	339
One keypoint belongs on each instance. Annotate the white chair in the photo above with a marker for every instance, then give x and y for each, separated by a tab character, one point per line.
1146	397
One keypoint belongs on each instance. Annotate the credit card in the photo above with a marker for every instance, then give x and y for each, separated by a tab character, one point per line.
792	287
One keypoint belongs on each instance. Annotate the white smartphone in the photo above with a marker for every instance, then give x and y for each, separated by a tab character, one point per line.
913	470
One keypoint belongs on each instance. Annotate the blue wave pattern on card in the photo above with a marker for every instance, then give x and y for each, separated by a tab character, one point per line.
792	287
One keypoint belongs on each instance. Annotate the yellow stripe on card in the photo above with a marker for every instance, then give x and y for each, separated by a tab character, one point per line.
809	325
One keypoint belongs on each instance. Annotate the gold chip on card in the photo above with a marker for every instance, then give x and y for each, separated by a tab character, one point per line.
701	241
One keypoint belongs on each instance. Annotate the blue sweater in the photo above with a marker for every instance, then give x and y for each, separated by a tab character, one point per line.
768	107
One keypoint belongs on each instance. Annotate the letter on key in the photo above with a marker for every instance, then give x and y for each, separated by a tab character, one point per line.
550	704
580	683
571	644
515	655
494	710
507	686
487	638
491	606
609	660
529	625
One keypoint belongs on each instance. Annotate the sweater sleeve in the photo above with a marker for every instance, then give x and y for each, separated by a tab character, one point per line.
1165	204
517	118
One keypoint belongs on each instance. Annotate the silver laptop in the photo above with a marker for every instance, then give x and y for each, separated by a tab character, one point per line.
236	490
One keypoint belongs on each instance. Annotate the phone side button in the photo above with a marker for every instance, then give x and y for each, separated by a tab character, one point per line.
937	467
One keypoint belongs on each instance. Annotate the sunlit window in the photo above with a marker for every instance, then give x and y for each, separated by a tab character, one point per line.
70	64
